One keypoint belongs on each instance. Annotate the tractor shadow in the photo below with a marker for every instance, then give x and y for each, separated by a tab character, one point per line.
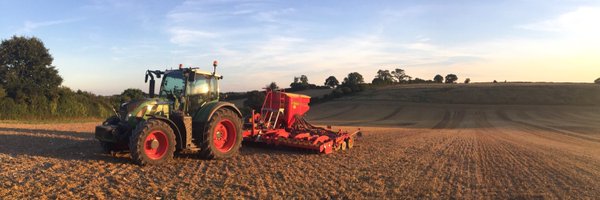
65	145
82	146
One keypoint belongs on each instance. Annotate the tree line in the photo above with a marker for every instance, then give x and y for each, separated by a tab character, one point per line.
399	76
30	86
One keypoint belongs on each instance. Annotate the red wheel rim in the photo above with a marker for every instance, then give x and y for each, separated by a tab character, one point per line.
224	135
156	145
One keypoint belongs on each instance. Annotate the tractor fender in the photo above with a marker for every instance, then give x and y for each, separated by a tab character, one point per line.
207	111
180	143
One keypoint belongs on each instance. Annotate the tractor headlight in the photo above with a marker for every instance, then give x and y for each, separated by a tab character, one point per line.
149	108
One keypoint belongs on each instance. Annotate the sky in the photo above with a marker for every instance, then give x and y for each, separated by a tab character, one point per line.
105	46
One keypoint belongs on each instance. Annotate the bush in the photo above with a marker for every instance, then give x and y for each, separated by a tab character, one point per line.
346	90
337	93
2	92
597	81
255	100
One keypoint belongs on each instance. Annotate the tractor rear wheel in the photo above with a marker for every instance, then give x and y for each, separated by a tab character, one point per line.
222	137
152	143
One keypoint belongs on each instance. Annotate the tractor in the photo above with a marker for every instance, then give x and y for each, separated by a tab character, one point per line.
186	115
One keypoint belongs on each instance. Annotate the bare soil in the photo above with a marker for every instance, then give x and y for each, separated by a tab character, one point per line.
408	150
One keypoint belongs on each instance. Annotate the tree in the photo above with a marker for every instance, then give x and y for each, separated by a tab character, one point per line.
451	78
400	76
300	83
377	81
597	81
132	94
273	86
419	80
385	76
467	81
26	69
438	78
331	81
353	79
304	79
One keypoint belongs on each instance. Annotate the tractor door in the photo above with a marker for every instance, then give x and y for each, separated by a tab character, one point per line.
202	90
172	88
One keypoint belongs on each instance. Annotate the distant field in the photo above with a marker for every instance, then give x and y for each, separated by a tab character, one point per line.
312	93
489	93
476	141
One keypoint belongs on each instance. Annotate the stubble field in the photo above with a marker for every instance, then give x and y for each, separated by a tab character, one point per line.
408	150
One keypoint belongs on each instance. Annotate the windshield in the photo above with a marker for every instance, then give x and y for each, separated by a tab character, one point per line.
172	85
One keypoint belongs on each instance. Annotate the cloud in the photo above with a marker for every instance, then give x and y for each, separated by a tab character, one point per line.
29	26
582	21
273	15
184	36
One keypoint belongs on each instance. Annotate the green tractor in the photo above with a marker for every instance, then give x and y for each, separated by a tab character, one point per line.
185	116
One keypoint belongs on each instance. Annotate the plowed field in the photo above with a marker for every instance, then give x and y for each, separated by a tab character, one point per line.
408	150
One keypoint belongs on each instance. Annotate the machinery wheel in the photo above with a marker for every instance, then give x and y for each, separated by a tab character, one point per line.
350	142
152	143
343	146
222	137
337	148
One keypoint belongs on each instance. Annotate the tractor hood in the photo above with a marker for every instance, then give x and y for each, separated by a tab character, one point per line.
136	110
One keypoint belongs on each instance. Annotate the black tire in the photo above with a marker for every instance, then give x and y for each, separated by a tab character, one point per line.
155	130
210	150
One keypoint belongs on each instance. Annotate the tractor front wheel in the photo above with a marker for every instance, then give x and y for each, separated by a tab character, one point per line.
152	143
222	137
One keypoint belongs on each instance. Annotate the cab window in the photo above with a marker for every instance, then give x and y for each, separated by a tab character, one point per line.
172	85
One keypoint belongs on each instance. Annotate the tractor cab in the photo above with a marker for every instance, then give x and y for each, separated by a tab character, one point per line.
186	89
188	96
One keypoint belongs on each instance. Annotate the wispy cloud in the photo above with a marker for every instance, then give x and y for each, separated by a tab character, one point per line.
29	26
183	36
273	15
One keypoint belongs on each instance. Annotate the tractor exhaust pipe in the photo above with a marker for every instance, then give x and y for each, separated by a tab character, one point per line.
215	67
